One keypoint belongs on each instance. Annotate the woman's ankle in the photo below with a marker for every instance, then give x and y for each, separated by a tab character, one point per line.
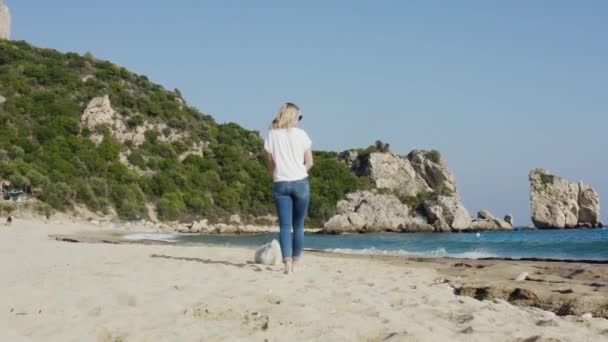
288	267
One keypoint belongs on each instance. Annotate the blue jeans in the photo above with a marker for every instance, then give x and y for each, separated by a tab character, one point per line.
291	200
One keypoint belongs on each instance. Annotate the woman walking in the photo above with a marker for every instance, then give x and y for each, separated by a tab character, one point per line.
289	160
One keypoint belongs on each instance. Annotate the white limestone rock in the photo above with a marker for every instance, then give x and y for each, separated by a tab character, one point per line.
447	213
5	21
558	203
269	254
366	211
391	172
434	170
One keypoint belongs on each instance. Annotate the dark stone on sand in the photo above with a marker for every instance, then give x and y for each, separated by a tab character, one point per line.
565	310
468	330
462	319
532	339
520	294
566	291
547	323
394	336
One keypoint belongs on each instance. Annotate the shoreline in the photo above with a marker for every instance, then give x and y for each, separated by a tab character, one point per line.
118	238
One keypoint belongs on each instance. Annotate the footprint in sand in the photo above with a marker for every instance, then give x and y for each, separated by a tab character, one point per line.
394	337
462	318
255	321
272	299
126	299
106	335
204	312
95	312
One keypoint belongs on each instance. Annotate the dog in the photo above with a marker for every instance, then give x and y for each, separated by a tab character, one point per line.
269	254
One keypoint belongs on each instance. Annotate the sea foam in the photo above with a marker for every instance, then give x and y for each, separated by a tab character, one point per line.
437	253
152	237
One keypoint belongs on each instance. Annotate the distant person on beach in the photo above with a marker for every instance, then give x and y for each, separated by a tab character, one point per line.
289	160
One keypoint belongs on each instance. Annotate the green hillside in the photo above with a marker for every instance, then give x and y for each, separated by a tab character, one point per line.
46	150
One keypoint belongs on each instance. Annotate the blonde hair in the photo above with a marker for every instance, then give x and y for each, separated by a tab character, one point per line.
287	117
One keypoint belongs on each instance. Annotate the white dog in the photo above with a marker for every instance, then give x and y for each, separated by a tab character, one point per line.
269	254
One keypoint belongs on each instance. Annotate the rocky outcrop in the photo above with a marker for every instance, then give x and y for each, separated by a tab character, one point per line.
589	207
391	172
204	227
510	220
366	211
486	221
348	157
434	171
414	193
5	21
558	203
99	112
446	213
483	214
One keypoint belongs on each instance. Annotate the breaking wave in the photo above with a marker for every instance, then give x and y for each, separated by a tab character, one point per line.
436	253
152	237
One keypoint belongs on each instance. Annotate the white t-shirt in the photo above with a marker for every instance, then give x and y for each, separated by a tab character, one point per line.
287	147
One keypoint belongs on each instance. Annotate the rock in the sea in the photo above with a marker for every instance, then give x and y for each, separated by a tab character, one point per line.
446	213
486	221
589	207
558	203
510	220
366	211
338	224
416	193
486	225
269	254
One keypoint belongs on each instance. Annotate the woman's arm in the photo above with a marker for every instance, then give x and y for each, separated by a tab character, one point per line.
308	160
270	162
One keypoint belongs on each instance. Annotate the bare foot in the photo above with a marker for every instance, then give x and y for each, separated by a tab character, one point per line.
288	267
296	266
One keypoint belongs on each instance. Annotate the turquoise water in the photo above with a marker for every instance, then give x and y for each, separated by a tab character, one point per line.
587	244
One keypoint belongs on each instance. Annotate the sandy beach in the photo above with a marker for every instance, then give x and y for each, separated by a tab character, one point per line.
60	291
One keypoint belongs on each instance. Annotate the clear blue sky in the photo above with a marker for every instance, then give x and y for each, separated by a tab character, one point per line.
499	87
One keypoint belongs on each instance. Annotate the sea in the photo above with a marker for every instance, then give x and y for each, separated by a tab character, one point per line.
571	244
